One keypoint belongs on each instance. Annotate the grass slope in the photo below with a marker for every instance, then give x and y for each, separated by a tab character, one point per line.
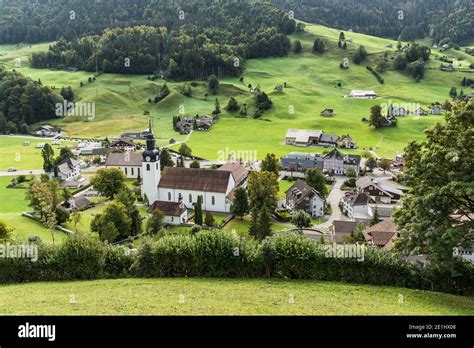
223	297
312	86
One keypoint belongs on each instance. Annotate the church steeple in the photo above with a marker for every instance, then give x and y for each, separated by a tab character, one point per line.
151	154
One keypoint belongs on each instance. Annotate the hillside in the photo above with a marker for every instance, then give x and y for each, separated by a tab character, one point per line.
312	85
223	297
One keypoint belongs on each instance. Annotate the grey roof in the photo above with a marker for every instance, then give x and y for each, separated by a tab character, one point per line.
300	190
67	166
328	138
116	159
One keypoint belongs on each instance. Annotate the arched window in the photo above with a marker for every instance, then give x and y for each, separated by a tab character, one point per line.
126	171
148	167
157	165
190	198
133	171
213	200
169	196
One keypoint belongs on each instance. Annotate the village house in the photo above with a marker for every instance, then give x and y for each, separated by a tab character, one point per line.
380	190
436	110
339	163
175	213
362	94
346	142
397	111
301	196
328	140
301	161
77	203
136	135
356	206
419	112
382	235
129	163
68	170
47	131
123	145
327	112
91	148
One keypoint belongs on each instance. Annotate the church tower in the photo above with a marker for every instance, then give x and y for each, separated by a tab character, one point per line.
150	170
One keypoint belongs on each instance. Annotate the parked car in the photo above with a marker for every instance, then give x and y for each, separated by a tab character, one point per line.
26	143
11	169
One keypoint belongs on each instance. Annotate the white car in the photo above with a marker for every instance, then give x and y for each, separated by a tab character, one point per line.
11	169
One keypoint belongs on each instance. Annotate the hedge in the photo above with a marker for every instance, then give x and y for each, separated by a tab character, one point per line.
221	254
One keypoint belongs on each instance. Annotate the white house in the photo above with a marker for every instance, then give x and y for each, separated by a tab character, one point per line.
67	170
301	196
364	94
47	130
129	163
124	145
175	213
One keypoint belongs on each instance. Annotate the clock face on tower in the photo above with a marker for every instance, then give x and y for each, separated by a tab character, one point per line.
148	158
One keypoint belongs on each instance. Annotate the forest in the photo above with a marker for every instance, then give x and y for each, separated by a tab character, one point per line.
23	102
404	19
184	39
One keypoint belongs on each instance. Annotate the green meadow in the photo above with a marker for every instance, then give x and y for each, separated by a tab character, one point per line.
312	85
195	296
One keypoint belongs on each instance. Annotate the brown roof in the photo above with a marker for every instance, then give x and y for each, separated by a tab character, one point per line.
122	142
381	234
168	208
207	180
343	228
123	159
238	172
67	166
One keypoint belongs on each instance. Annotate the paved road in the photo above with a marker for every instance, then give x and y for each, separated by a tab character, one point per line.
333	199
21	172
27	137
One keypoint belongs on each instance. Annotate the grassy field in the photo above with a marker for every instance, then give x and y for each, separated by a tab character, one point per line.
12	204
311	86
223	297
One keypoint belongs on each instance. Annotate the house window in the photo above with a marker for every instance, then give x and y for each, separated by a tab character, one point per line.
138	171
148	167
133	172
172	219
190	198
126	171
213	200
169	196
156	165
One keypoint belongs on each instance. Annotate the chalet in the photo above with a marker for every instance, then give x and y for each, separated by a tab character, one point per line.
382	235
47	131
175	213
77	203
184	125
419	112
356	206
302	137
343	229
129	163
397	111
327	112
301	161
339	163
363	94
328	140
123	145
436	110
67	170
380	190
301	196
346	142
91	148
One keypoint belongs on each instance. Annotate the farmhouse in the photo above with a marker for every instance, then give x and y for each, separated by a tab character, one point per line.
339	163
346	142
77	203
123	145
301	161
436	110
397	111
328	140
356	206
419	112
302	137
382	234
364	94
47	130
129	163
380	190
175	213
67	170
301	196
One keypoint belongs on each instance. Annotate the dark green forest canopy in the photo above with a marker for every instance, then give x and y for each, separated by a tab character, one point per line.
24	101
438	19
185	38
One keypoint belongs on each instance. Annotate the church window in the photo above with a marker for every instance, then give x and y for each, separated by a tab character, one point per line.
148	167
190	198
169	196
126	171
213	199
133	172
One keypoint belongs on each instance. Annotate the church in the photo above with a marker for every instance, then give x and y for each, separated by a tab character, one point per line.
184	185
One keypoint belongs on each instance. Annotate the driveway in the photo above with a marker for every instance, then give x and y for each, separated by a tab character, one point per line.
21	172
333	199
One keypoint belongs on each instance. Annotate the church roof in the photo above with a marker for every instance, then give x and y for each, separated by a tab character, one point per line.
238	172
193	179
124	159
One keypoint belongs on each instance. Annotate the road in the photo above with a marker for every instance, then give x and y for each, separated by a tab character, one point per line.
333	199
22	172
